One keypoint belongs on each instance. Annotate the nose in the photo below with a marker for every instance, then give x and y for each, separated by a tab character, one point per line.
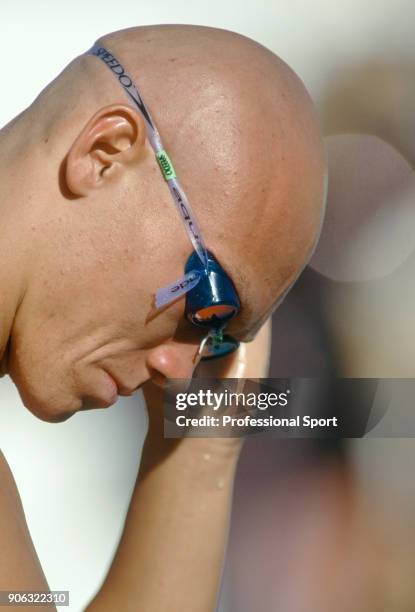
174	360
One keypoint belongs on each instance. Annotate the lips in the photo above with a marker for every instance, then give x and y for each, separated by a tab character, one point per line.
102	395
123	389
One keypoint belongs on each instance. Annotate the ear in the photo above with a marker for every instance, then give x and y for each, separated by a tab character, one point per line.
113	138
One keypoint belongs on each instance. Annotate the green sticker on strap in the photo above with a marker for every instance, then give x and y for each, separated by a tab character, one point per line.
166	165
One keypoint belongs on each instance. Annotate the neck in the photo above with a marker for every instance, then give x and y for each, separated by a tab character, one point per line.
12	253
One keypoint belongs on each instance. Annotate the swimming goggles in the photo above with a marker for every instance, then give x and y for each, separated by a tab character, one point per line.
211	297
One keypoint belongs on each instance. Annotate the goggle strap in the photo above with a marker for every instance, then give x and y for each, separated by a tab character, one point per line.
175	290
130	88
182	204
189	219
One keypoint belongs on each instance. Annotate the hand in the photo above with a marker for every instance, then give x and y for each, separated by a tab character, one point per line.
251	360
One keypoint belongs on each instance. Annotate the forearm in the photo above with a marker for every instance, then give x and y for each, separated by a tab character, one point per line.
171	552
170	556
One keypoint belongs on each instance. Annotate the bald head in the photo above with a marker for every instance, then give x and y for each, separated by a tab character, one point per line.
243	136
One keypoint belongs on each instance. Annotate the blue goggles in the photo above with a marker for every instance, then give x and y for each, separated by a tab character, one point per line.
211	298
211	304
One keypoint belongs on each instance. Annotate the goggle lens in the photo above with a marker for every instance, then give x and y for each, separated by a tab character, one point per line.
219	311
216	347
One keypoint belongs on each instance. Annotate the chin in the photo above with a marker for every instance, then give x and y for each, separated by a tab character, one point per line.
54	418
49	414
55	404
47	410
44	391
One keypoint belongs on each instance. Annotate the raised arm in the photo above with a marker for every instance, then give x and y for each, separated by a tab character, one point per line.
171	552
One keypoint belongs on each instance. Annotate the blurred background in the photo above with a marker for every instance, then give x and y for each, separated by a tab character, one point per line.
316	526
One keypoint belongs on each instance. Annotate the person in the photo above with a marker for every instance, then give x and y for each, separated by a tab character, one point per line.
89	236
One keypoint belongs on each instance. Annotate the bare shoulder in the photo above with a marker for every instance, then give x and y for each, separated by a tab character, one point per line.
20	568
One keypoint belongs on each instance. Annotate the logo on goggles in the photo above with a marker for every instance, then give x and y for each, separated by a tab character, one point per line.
183	284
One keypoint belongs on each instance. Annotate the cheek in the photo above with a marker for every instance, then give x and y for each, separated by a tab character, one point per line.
92	270
77	302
